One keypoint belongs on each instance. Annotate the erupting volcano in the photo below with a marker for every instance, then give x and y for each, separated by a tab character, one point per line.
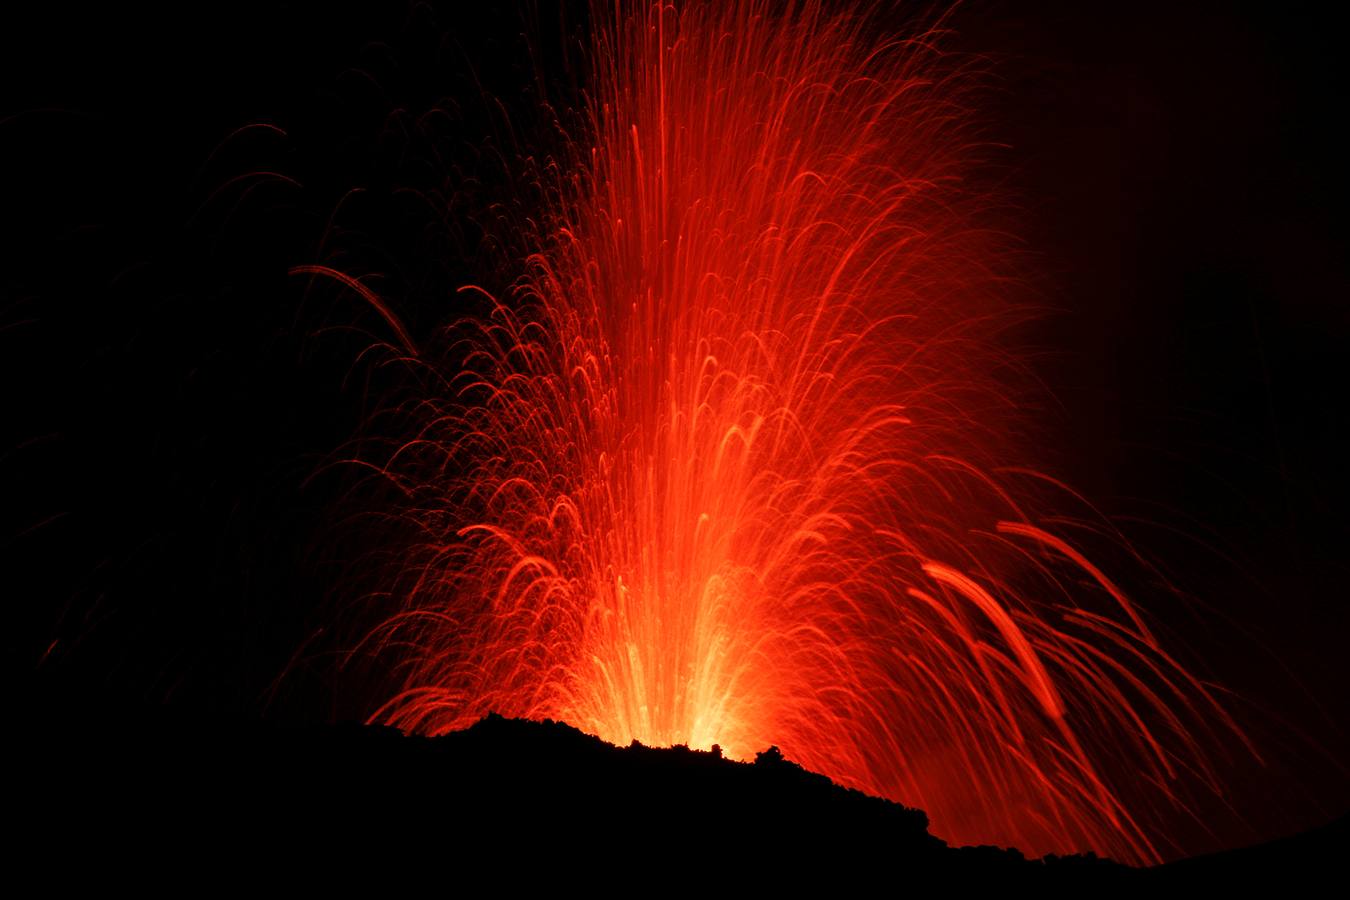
736	455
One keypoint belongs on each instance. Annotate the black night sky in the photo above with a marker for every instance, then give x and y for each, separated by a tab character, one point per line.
172	395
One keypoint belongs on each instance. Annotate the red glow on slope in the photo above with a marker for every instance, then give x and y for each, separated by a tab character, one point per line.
723	467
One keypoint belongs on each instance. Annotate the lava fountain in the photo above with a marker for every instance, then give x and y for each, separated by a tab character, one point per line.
730	461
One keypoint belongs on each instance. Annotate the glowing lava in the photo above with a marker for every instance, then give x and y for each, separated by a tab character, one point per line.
723	465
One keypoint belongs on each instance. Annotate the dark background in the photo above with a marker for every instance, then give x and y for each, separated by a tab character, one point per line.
171	395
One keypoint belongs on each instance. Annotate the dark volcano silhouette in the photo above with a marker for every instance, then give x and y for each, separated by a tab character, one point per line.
509	801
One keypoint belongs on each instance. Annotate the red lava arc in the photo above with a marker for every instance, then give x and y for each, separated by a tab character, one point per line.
727	462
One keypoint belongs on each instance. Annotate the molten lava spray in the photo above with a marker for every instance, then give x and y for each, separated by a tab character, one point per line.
722	465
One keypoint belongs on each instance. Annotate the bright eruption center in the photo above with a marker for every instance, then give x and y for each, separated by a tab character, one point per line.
722	466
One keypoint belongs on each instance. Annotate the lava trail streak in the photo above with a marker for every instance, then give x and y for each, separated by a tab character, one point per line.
725	459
